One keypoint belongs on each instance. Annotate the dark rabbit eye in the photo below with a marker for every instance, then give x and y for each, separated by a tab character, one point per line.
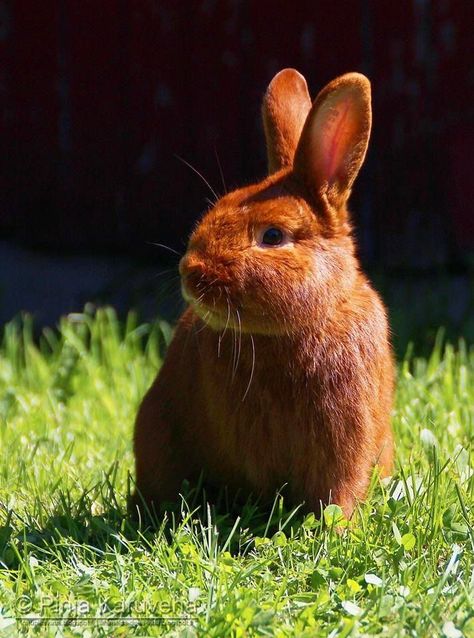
272	237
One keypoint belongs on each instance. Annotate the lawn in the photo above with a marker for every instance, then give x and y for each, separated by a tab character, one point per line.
70	556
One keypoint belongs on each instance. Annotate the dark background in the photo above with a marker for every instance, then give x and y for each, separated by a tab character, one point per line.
99	98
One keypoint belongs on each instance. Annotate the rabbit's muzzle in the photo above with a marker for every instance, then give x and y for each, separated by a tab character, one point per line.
203	280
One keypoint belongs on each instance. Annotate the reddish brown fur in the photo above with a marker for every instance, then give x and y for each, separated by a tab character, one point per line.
280	370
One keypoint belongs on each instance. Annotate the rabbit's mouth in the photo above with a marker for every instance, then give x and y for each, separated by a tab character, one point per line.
211	315
230	318
217	314
222	308
213	319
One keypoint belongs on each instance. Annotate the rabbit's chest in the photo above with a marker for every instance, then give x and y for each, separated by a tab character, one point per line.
261	424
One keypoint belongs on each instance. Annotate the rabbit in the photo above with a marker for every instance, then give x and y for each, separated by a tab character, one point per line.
280	370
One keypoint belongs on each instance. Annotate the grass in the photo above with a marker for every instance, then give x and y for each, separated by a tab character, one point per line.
70	556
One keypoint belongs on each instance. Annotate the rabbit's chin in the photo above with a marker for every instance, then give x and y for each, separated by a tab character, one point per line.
242	320
212	318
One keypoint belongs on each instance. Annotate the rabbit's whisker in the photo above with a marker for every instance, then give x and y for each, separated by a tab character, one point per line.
253	368
201	176
220	169
237	343
221	336
204	325
234	352
175	276
172	250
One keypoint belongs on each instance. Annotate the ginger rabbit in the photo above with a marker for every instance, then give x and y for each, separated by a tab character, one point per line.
280	369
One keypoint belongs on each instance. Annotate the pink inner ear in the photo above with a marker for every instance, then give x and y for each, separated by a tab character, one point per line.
334	141
335	137
336	132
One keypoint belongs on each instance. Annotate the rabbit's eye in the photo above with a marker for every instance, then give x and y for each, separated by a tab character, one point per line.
272	237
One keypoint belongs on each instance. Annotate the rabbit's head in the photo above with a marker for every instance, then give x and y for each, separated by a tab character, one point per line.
277	256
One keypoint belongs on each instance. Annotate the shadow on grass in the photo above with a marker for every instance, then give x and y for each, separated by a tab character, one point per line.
233	522
228	512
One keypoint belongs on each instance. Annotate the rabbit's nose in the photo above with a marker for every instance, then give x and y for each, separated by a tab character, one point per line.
191	264
193	272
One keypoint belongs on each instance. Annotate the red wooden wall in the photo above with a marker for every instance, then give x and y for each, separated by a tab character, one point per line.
98	99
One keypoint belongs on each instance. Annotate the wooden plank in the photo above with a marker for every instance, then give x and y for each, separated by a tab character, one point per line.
96	181
32	107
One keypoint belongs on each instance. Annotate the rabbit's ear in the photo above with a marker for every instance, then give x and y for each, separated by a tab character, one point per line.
285	107
335	138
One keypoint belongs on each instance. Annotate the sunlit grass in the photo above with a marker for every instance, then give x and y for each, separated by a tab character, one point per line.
68	551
